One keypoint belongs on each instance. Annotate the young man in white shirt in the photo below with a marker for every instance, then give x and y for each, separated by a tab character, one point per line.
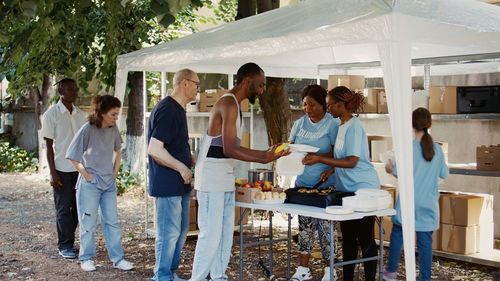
60	124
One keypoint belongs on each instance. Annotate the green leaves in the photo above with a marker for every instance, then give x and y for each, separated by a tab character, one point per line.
16	159
82	38
29	8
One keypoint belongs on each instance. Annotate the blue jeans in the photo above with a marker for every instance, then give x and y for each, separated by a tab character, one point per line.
424	245
172	226
216	224
88	200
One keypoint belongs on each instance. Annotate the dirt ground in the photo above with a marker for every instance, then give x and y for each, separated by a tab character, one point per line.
28	243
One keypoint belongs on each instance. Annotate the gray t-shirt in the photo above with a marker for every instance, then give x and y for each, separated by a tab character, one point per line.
94	147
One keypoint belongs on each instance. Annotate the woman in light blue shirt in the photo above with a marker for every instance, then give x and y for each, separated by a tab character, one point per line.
319	129
428	166
353	171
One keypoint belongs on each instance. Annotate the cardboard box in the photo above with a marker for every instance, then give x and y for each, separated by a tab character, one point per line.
353	82
237	216
245	194
392	191
193	214
211	96
371	101
382	102
245	140
443	99
378	145
460	239
460	209
206	107
386	231
488	158
437	237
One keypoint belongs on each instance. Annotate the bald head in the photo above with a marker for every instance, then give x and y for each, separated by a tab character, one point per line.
182	74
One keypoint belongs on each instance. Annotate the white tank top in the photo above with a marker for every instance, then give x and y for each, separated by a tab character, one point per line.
214	172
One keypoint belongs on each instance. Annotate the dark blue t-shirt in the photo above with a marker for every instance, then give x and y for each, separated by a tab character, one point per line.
168	124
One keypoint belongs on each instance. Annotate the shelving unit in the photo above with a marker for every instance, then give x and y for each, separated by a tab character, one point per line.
474	172
451	117
245	114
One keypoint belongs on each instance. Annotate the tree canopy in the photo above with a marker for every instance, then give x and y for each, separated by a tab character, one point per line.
82	38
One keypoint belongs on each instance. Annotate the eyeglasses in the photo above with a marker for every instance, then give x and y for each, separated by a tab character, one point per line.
195	82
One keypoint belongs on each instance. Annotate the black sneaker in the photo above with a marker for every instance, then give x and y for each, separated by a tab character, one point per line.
67	254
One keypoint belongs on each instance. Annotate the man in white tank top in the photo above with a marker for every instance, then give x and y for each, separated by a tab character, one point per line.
214	174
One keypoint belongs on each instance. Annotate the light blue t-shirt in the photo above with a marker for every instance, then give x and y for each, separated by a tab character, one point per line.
352	141
321	134
425	178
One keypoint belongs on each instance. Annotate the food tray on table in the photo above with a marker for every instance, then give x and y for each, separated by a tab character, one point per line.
269	201
315	197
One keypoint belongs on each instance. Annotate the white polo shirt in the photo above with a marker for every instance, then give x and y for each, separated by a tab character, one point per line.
61	126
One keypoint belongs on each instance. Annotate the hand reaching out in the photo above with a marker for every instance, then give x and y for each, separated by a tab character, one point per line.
310	159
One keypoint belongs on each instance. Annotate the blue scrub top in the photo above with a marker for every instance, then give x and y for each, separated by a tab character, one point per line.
352	141
426	193
321	134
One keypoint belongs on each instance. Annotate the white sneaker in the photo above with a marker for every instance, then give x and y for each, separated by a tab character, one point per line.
124	265
177	278
302	273
87	265
326	276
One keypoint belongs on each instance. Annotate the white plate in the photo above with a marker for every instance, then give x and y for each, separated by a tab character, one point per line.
338	210
269	201
296	147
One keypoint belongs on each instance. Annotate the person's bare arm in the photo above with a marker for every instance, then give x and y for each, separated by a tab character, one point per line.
229	113
161	156
118	159
348	162
55	180
81	169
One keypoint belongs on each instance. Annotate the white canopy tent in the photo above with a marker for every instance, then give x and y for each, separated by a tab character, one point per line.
316	38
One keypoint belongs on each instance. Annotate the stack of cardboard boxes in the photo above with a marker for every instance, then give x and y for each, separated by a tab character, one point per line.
466	223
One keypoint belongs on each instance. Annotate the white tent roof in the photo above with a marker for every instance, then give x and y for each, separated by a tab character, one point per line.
295	41
292	41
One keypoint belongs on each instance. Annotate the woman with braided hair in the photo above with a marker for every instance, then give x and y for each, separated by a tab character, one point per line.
352	171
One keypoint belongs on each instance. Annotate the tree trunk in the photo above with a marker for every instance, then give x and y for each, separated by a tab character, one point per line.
134	150
275	104
246	8
276	109
41	103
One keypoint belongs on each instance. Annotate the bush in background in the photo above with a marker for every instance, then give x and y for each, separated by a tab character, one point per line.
126	180
16	159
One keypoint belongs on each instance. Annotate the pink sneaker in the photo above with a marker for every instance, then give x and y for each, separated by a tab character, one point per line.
389	276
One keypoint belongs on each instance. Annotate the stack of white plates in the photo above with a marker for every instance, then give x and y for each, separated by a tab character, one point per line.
382	197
